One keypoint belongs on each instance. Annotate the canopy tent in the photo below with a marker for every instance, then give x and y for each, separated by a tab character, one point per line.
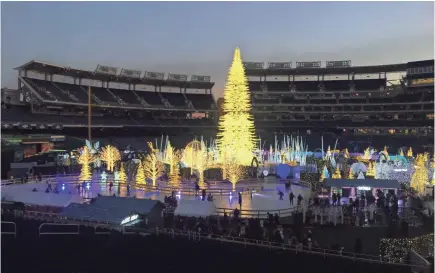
113	209
195	208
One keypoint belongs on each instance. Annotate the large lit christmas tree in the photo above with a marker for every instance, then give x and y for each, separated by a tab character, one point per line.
236	137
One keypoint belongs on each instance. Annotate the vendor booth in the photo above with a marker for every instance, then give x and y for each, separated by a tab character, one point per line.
352	188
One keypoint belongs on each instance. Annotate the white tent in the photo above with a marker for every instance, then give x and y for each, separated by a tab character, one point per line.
195	208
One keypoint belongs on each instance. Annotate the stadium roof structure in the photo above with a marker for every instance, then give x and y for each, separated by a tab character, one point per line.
53	69
329	70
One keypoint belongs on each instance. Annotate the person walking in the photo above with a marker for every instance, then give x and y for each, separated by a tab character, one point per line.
291	197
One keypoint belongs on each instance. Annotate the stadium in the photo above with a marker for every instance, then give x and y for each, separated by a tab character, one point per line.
150	163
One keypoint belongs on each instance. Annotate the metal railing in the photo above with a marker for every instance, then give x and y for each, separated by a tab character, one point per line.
192	235
58	233
10	232
260	214
32	180
280	246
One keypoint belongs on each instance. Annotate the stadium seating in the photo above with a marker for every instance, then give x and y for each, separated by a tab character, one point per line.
65	92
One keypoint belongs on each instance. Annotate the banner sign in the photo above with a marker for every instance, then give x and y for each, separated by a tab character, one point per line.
177	77
253	65
338	64
58	126
196	78
41	126
104	69
308	64
26	126
154	75
423	82
130	73
7	126
280	65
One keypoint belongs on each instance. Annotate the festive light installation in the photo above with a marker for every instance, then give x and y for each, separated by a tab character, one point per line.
234	172
409	153
336	174
140	174
371	170
84	159
395	250
110	155
153	167
420	178
202	160
94	150
121	176
236	137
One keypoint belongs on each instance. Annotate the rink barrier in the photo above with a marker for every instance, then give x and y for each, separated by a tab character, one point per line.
259	214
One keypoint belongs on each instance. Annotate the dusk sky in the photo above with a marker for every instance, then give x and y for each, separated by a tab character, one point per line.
199	37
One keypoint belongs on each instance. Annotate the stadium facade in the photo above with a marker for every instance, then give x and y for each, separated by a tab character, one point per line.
362	105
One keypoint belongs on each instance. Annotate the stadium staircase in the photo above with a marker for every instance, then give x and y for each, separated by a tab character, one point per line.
141	100
67	93
94	97
30	87
118	99
165	101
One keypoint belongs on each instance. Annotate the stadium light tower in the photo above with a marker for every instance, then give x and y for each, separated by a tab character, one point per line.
89	113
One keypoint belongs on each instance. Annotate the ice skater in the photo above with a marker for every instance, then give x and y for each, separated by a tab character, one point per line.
240	200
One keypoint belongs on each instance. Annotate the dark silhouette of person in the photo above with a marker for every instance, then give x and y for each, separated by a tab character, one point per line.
281	194
204	194
299	199
334	199
196	188
236	213
240	200
291	197
339	199
110	186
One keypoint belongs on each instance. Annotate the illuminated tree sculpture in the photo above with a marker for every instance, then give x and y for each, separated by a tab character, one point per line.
121	176
336	174
371	170
140	174
409	153
421	175
110	155
235	172
202	159
153	167
236	137
85	158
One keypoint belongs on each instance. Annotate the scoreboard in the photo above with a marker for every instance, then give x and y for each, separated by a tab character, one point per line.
280	65
308	64
253	65
338	64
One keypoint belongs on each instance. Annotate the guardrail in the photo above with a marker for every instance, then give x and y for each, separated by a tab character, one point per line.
260	214
280	246
32	180
58	233
9	232
237	240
